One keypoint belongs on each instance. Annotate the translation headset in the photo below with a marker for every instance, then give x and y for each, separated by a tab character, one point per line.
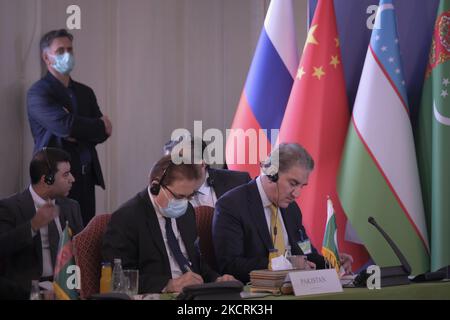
155	186
273	177
270	170
49	178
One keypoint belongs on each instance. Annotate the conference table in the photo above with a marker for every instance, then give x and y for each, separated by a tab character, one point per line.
439	290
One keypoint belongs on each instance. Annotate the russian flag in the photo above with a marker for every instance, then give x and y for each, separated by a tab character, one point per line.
266	92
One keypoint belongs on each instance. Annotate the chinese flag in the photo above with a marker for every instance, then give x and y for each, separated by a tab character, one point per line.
317	117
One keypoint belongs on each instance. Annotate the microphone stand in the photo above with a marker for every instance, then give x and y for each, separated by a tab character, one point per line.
390	276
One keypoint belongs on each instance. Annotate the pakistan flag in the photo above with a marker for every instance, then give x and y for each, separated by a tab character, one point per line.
433	141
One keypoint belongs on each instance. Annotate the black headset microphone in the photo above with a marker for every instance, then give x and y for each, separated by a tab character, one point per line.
266	169
273	177
49	178
155	186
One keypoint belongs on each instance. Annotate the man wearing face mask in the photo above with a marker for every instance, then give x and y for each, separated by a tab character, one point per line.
155	232
64	113
216	182
262	216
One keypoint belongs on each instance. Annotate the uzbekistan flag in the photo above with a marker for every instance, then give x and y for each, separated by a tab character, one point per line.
379	175
266	91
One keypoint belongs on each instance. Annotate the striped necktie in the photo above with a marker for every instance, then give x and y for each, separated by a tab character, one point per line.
183	263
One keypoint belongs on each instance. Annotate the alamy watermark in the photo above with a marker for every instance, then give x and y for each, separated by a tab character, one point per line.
374	280
237	147
74	19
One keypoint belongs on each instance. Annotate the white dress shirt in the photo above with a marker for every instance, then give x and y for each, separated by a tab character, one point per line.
268	212
174	267
47	265
205	196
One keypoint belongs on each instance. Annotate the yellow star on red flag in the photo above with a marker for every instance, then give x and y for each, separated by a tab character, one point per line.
311	39
338	43
318	72
300	73
334	61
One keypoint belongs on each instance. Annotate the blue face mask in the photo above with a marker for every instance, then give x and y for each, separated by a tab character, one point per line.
175	208
64	63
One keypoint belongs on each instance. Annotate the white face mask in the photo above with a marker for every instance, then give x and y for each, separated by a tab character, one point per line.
175	208
63	63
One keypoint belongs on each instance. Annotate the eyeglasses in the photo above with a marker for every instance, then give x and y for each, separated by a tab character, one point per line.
179	196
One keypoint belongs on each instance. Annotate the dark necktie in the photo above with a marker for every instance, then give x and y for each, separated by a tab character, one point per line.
175	247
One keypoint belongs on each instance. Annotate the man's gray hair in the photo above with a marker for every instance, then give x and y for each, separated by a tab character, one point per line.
285	156
47	39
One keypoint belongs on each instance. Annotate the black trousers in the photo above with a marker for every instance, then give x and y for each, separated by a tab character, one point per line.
83	191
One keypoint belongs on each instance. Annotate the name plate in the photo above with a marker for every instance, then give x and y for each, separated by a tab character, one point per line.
315	282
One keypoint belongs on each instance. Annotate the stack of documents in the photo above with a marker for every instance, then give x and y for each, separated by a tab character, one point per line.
270	281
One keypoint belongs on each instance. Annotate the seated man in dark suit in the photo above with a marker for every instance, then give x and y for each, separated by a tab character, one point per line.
155	231
215	182
31	222
10	290
262	216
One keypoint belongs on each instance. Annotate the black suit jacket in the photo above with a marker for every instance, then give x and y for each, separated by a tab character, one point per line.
134	235
52	118
10	290
241	237
20	253
224	180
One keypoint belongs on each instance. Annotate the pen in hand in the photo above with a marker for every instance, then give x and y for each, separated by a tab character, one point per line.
187	268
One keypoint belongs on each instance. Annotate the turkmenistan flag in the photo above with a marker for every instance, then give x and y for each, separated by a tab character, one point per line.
63	281
433	141
379	174
330	249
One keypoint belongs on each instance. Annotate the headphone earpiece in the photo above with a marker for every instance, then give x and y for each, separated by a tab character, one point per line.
155	187
273	177
49	178
271	171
